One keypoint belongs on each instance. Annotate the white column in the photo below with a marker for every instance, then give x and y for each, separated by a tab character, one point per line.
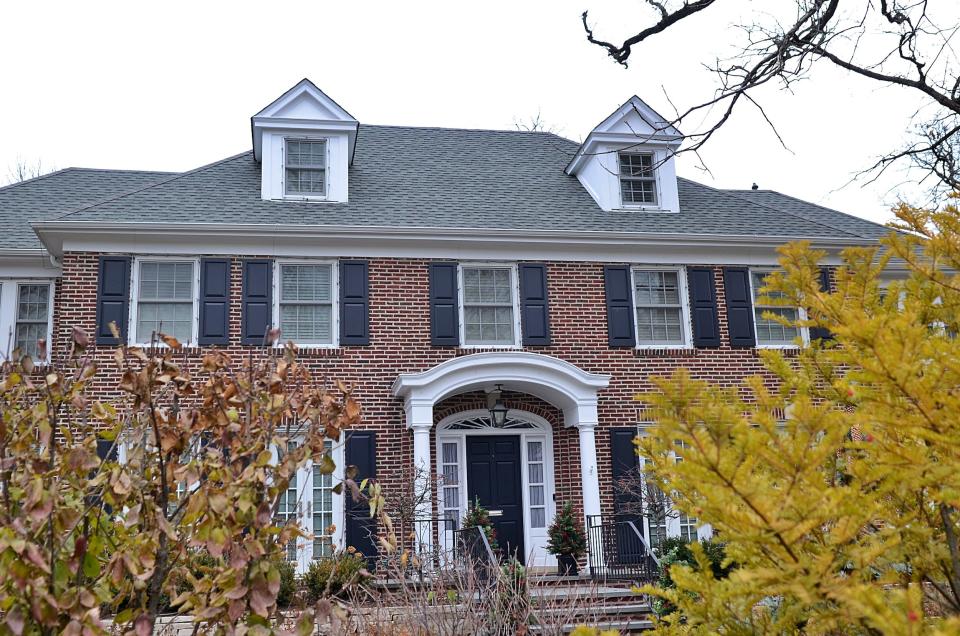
420	419
589	480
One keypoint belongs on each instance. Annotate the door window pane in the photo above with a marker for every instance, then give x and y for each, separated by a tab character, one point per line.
535	480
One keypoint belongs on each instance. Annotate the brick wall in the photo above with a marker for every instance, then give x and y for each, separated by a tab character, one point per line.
400	342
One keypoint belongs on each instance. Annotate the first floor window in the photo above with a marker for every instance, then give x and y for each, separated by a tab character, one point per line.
165	299
33	315
306	303
305	167
322	509
288	508
489	306
659	302
769	331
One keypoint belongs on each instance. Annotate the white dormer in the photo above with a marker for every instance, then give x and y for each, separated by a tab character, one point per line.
304	142
627	162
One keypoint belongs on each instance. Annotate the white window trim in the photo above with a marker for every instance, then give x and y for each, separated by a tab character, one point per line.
135	337
658	191
685	321
9	296
326	170
801	315
334	301
515	292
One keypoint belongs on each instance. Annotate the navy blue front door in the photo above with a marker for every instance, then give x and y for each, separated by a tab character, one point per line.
493	479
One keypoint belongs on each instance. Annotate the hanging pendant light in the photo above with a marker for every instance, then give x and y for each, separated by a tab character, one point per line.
498	412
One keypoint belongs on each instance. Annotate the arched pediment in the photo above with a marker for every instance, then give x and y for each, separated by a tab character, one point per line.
556	381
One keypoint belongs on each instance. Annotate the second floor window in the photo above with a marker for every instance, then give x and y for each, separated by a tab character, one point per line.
165	299
33	315
306	303
489	314
305	167
769	331
638	181
659	300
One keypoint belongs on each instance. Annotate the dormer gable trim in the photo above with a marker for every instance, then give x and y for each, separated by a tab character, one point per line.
660	134
303	108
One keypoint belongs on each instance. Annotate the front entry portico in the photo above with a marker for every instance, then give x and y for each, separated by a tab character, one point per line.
565	386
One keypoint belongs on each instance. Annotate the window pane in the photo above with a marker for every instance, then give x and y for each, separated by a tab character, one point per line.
535	451
174	319
310	283
33	303
538	517
638	191
304	152
636	164
28	335
306	323
449	453
536	473
162	280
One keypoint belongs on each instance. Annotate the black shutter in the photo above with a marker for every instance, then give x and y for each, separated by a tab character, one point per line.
354	303
822	333
444	322
257	308
627	500
214	301
534	306
361	529
113	297
736	286
703	307
619	293
107	450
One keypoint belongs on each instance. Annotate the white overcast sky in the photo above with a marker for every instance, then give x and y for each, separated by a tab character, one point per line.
171	85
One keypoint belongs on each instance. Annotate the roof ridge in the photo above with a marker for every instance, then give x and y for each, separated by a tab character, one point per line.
823	207
763	205
34	179
174	177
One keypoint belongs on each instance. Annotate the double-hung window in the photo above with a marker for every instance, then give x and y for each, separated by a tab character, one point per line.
33	317
661	309
305	167
306	314
770	332
165	299
638	179
489	301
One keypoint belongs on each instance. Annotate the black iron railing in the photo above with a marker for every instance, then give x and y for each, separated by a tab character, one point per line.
474	555
617	550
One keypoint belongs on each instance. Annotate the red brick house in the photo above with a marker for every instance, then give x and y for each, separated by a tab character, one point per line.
441	271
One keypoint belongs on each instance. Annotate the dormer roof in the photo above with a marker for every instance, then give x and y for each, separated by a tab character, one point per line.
303	108
634	123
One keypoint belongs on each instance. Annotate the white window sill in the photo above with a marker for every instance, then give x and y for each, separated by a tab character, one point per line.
490	346
644	208
778	346
306	198
281	343
663	347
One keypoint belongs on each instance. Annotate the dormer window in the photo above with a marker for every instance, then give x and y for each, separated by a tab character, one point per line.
305	168
638	179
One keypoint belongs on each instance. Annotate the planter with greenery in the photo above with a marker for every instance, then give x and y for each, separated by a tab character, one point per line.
567	541
479	517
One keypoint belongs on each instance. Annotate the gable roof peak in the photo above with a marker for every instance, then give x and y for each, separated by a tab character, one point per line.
302	108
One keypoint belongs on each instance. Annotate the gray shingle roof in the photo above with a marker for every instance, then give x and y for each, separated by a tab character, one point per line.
53	194
817	213
453	178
